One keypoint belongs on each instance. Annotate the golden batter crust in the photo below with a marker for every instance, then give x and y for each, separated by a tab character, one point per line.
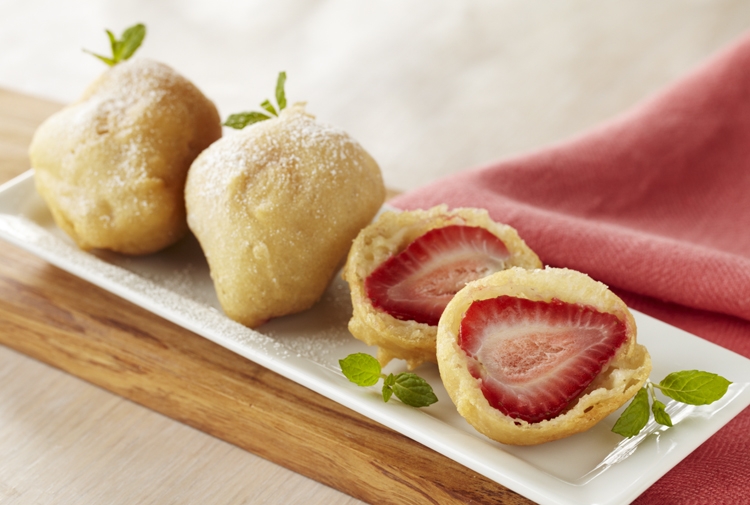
615	385
112	166
389	235
275	207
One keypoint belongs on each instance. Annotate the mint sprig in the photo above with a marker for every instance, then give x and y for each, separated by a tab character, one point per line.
242	119
364	370
692	387
635	417
124	47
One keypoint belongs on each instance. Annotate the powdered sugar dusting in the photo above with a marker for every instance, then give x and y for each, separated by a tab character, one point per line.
276	208
113	164
261	145
158	298
122	105
325	327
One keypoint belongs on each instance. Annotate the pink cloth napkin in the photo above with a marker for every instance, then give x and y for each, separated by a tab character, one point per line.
656	204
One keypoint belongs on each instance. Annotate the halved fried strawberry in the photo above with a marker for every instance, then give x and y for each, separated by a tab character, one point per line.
417	283
532	358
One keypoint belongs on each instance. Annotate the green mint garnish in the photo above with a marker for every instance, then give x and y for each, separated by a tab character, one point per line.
361	369
280	94
243	119
635	416
364	370
125	47
268	106
689	386
388	387
413	390
660	413
694	387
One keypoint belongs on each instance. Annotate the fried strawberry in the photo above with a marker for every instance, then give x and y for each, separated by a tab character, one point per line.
403	268
417	283
532	358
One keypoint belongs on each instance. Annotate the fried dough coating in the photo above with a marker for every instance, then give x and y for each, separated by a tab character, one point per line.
112	166
621	378
275	207
390	234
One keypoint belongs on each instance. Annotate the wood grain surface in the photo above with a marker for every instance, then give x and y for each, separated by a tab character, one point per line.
70	324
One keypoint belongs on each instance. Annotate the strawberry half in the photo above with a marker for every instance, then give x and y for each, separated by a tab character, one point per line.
417	283
533	358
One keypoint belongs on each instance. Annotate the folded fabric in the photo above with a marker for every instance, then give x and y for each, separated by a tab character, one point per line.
655	204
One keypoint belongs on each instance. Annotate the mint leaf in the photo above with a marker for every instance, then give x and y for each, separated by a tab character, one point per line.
388	387
268	106
113	44
390	380
361	369
413	390
634	417
364	370
125	47
694	387
243	119
131	40
108	61
660	413
387	393
280	93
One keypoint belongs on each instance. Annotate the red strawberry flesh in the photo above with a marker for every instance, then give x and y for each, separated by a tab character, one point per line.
417	283
533	358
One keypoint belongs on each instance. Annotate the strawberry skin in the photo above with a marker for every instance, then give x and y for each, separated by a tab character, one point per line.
532	358
417	283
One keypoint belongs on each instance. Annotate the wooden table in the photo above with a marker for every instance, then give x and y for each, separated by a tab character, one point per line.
66	442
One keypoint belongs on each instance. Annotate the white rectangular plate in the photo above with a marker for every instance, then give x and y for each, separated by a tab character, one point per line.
593	467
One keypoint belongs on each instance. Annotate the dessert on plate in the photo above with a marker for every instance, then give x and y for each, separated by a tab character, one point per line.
531	356
404	269
112	166
276	206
